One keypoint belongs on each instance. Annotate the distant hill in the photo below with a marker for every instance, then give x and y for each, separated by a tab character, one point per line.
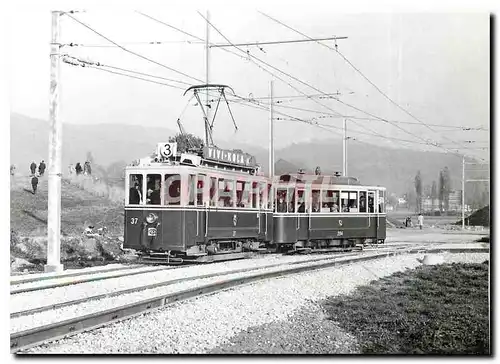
108	142
120	144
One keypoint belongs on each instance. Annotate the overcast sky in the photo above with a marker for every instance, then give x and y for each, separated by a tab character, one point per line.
434	65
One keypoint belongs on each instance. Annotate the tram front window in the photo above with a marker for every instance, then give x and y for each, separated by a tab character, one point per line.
172	189
153	196
135	191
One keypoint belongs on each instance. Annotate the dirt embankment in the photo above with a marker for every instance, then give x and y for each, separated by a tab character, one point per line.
84	203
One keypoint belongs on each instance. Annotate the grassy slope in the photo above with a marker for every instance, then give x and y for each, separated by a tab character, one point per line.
80	208
432	310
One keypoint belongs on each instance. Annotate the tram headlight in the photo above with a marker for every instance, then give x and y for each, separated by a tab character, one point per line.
151	218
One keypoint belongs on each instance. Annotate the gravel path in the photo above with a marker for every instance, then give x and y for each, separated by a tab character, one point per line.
221	322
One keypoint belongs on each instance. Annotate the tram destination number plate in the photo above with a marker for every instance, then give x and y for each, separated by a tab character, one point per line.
151	231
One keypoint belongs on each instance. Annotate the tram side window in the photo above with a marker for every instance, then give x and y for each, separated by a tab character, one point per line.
135	191
381	204
263	196
243	194
199	189
330	201
153	194
255	194
226	188
301	201
315	201
344	201
213	191
172	189
362	201
371	198
191	189
270	197
353	202
281	204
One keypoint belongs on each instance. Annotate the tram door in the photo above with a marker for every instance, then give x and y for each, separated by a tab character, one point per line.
286	221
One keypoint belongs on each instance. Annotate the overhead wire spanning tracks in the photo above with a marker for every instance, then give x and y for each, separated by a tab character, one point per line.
223	47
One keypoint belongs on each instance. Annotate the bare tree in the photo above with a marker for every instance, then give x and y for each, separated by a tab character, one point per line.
418	190
434	194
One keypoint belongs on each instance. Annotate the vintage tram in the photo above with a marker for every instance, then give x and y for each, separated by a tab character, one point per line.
323	212
211	202
216	202
197	204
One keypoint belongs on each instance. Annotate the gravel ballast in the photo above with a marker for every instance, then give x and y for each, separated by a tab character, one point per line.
92	306
218	321
30	300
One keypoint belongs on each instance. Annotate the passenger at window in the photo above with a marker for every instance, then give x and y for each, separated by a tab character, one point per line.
335	208
153	197
281	205
135	194
345	208
302	206
370	204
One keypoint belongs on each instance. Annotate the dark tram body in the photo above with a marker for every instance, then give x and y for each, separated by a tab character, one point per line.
327	211
216	202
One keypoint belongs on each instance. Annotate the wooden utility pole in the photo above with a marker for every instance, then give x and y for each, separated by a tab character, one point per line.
55	139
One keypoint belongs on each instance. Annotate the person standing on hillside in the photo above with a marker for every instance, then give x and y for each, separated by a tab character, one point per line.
420	220
41	168
34	183
12	169
70	169
78	168
33	167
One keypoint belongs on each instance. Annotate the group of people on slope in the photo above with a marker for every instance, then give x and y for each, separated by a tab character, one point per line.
34	177
86	170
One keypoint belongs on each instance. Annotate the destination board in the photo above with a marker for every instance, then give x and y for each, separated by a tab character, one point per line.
229	156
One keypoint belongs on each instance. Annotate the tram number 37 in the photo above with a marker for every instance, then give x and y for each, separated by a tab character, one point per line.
133	220
340	233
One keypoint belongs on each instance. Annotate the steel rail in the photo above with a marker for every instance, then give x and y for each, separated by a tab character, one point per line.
90	279
166	283
28	277
36	336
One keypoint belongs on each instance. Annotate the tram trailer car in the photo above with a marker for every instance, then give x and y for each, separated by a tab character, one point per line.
327	212
192	206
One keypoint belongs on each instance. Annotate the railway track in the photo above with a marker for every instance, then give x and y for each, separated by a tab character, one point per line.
31	337
169	282
31	284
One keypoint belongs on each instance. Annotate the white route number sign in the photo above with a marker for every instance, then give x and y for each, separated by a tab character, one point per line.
167	150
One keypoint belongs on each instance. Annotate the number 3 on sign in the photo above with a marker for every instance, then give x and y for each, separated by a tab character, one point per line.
167	150
134	220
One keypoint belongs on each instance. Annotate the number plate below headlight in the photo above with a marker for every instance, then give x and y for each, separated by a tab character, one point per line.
151	231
